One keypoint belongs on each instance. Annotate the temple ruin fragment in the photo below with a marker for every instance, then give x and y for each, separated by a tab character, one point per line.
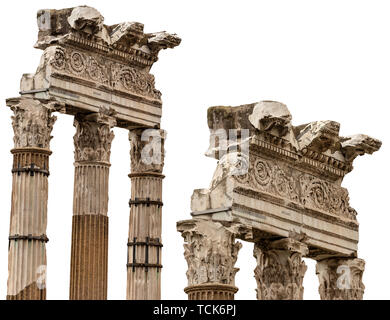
99	74
278	186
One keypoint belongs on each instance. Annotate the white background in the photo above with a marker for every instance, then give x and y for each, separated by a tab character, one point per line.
327	60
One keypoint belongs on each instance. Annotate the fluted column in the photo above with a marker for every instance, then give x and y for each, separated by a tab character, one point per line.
211	253
32	123
89	256
144	243
341	278
280	269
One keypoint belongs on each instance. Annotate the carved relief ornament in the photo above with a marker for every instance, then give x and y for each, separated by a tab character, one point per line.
32	123
210	250
93	137
341	278
147	150
99	69
280	270
302	188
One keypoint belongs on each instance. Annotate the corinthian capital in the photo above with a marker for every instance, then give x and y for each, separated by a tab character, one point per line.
147	150
93	137
210	250
32	122
341	278
280	269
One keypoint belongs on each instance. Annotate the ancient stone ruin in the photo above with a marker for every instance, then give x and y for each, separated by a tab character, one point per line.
278	186
99	74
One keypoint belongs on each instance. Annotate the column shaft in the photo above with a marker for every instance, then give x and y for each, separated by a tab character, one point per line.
32	124
144	246
89	256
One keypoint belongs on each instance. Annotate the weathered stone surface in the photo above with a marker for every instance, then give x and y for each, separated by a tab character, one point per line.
147	150
271	116
86	63
32	123
101	75
341	278
288	174
320	136
280	269
282	185
211	253
93	136
144	242
358	145
89	256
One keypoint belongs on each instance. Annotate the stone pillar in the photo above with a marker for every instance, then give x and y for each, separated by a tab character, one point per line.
280	269
89	256
144	242
341	278
32	123
211	253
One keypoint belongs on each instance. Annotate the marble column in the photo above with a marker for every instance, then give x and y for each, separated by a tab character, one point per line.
211	253
144	243
89	256
341	278
280	269
32	123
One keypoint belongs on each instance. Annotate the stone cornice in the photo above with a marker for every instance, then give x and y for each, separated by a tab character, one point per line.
83	27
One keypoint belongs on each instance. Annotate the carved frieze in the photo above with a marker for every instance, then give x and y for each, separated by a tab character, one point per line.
93	137
303	188
98	69
210	250
32	123
341	278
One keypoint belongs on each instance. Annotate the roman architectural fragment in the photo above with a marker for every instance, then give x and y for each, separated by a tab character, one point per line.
341	278
144	242
280	269
32	123
283	184
100	74
89	257
211	253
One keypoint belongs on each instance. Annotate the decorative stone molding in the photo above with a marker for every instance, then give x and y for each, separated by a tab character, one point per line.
90	66
32	123
93	136
147	150
280	269
210	250
341	278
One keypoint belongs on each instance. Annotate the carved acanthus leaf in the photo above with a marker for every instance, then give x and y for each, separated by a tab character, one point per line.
32	123
280	270
147	150
210	250
93	137
341	278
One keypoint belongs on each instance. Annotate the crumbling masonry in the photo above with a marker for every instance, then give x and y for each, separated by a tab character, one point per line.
279	187
100	75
